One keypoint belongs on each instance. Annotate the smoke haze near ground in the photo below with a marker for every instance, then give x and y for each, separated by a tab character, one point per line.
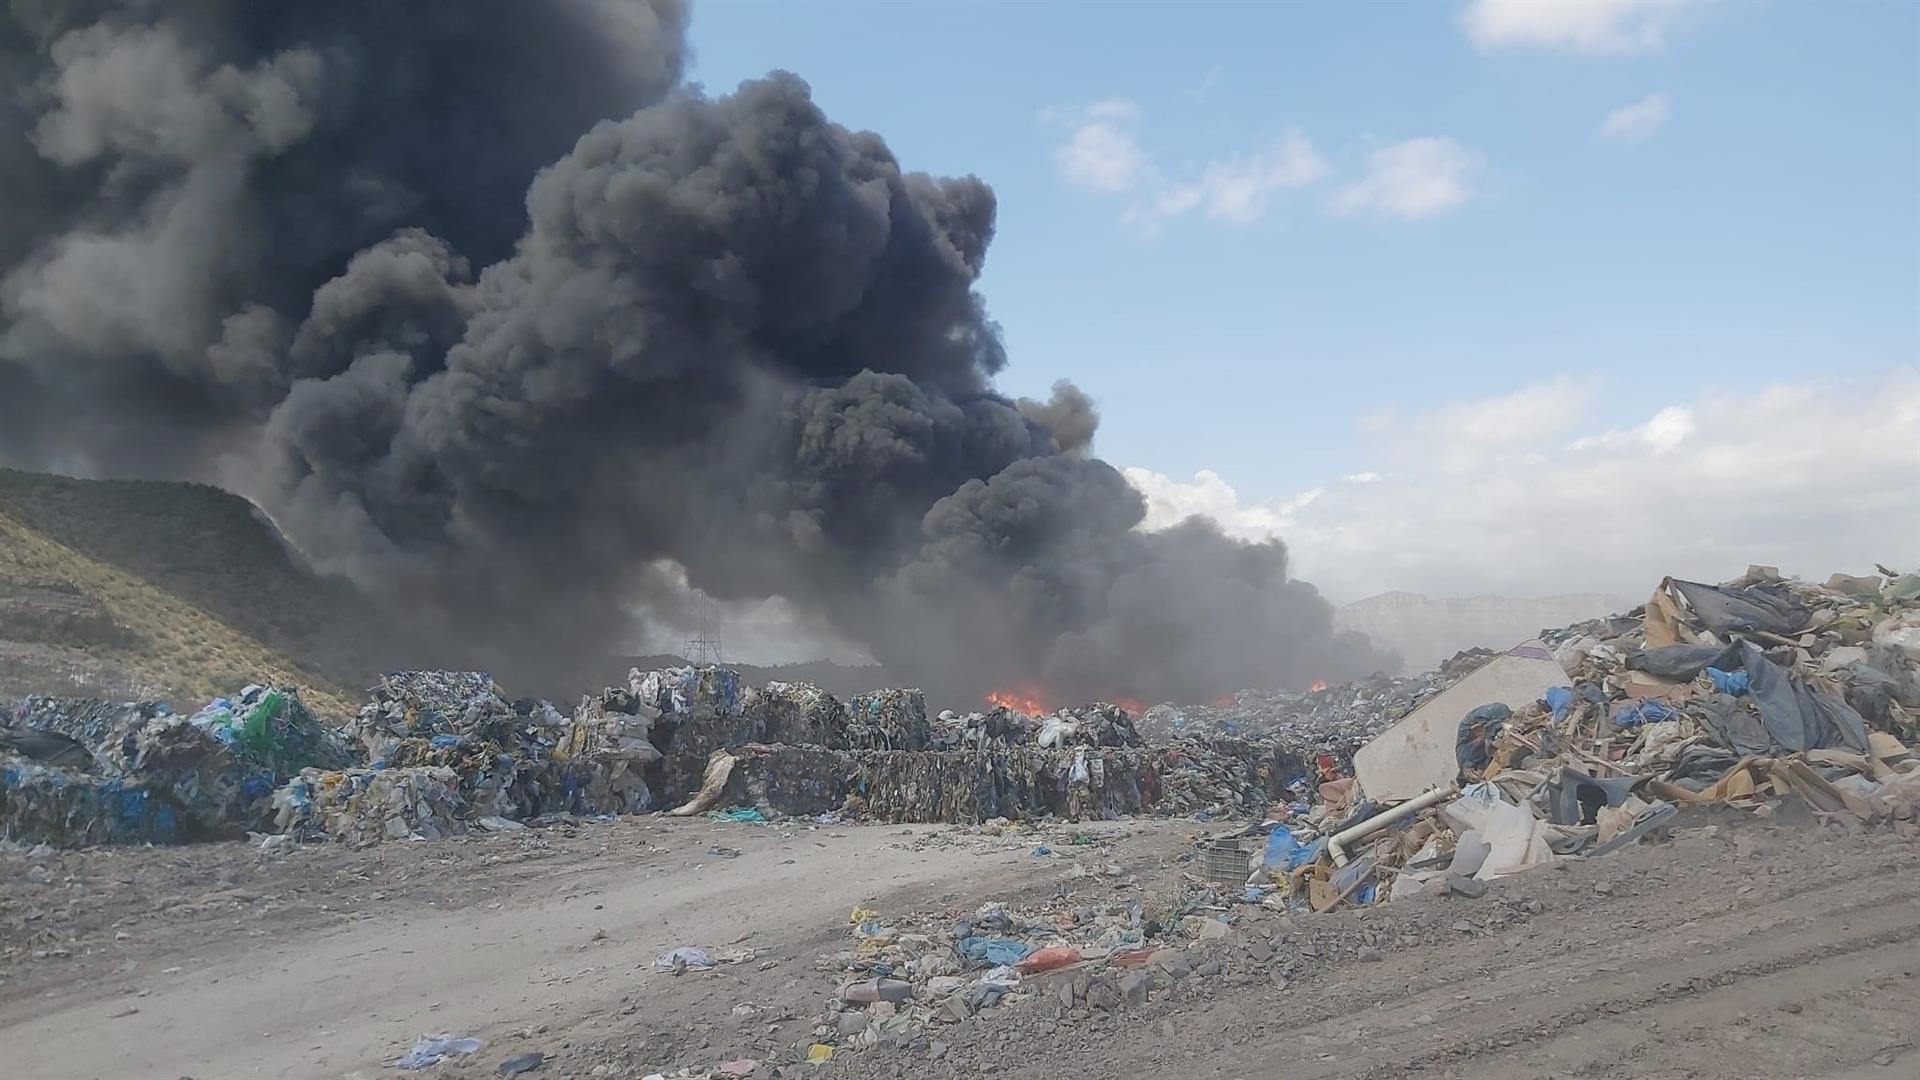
490	311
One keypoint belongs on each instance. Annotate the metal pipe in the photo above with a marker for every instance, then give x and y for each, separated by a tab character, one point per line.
1337	846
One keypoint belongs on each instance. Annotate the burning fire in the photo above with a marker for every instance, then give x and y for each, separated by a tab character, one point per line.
1020	701
1031	702
1318	685
1224	701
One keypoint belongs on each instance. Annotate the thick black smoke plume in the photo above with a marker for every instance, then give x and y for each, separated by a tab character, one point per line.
341	256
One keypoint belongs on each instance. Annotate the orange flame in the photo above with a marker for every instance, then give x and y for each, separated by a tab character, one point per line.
1318	685
1224	701
1020	701
1032	702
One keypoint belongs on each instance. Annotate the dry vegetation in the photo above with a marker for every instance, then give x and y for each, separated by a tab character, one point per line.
179	649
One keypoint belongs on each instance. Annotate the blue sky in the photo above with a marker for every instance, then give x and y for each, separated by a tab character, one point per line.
1311	242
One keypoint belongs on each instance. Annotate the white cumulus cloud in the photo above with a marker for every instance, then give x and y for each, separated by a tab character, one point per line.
1814	477
1638	120
1101	154
1170	501
1418	178
1237	189
1592	26
1663	434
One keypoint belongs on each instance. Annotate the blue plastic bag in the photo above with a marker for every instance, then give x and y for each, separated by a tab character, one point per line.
1560	699
1303	855
1280	848
1728	682
1000	952
1645	711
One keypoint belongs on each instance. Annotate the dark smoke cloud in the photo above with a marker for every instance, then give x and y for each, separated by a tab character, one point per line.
343	254
181	177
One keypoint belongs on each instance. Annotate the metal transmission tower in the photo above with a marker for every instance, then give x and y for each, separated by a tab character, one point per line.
702	651
702	647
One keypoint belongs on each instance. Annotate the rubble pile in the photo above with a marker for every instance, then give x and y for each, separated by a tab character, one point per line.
1763	694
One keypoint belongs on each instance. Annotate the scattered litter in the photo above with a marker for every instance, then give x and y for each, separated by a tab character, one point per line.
685	958
431	1050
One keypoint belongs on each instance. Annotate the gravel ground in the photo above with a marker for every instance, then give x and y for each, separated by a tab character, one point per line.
1739	949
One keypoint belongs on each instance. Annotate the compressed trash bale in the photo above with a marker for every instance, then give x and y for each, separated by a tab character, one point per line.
686	692
361	806
888	720
999	727
1100	724
276	728
799	714
217	769
603	760
784	779
1027	782
219	789
272	727
702	709
937	786
493	782
427	703
47	747
43	804
93	723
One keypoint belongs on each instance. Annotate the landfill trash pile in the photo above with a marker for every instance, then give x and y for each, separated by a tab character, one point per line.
1749	693
362	806
888	720
432	750
1222	779
77	771
47	804
1763	694
791	749
1330	720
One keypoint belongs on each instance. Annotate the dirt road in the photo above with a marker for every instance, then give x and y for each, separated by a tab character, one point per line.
1739	950
504	939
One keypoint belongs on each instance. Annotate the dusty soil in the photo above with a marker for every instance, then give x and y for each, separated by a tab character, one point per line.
217	961
1741	949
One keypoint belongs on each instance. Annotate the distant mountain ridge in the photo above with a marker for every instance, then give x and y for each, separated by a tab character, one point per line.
1425	630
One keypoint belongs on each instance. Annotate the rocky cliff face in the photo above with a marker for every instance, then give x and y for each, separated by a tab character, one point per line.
1425	630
